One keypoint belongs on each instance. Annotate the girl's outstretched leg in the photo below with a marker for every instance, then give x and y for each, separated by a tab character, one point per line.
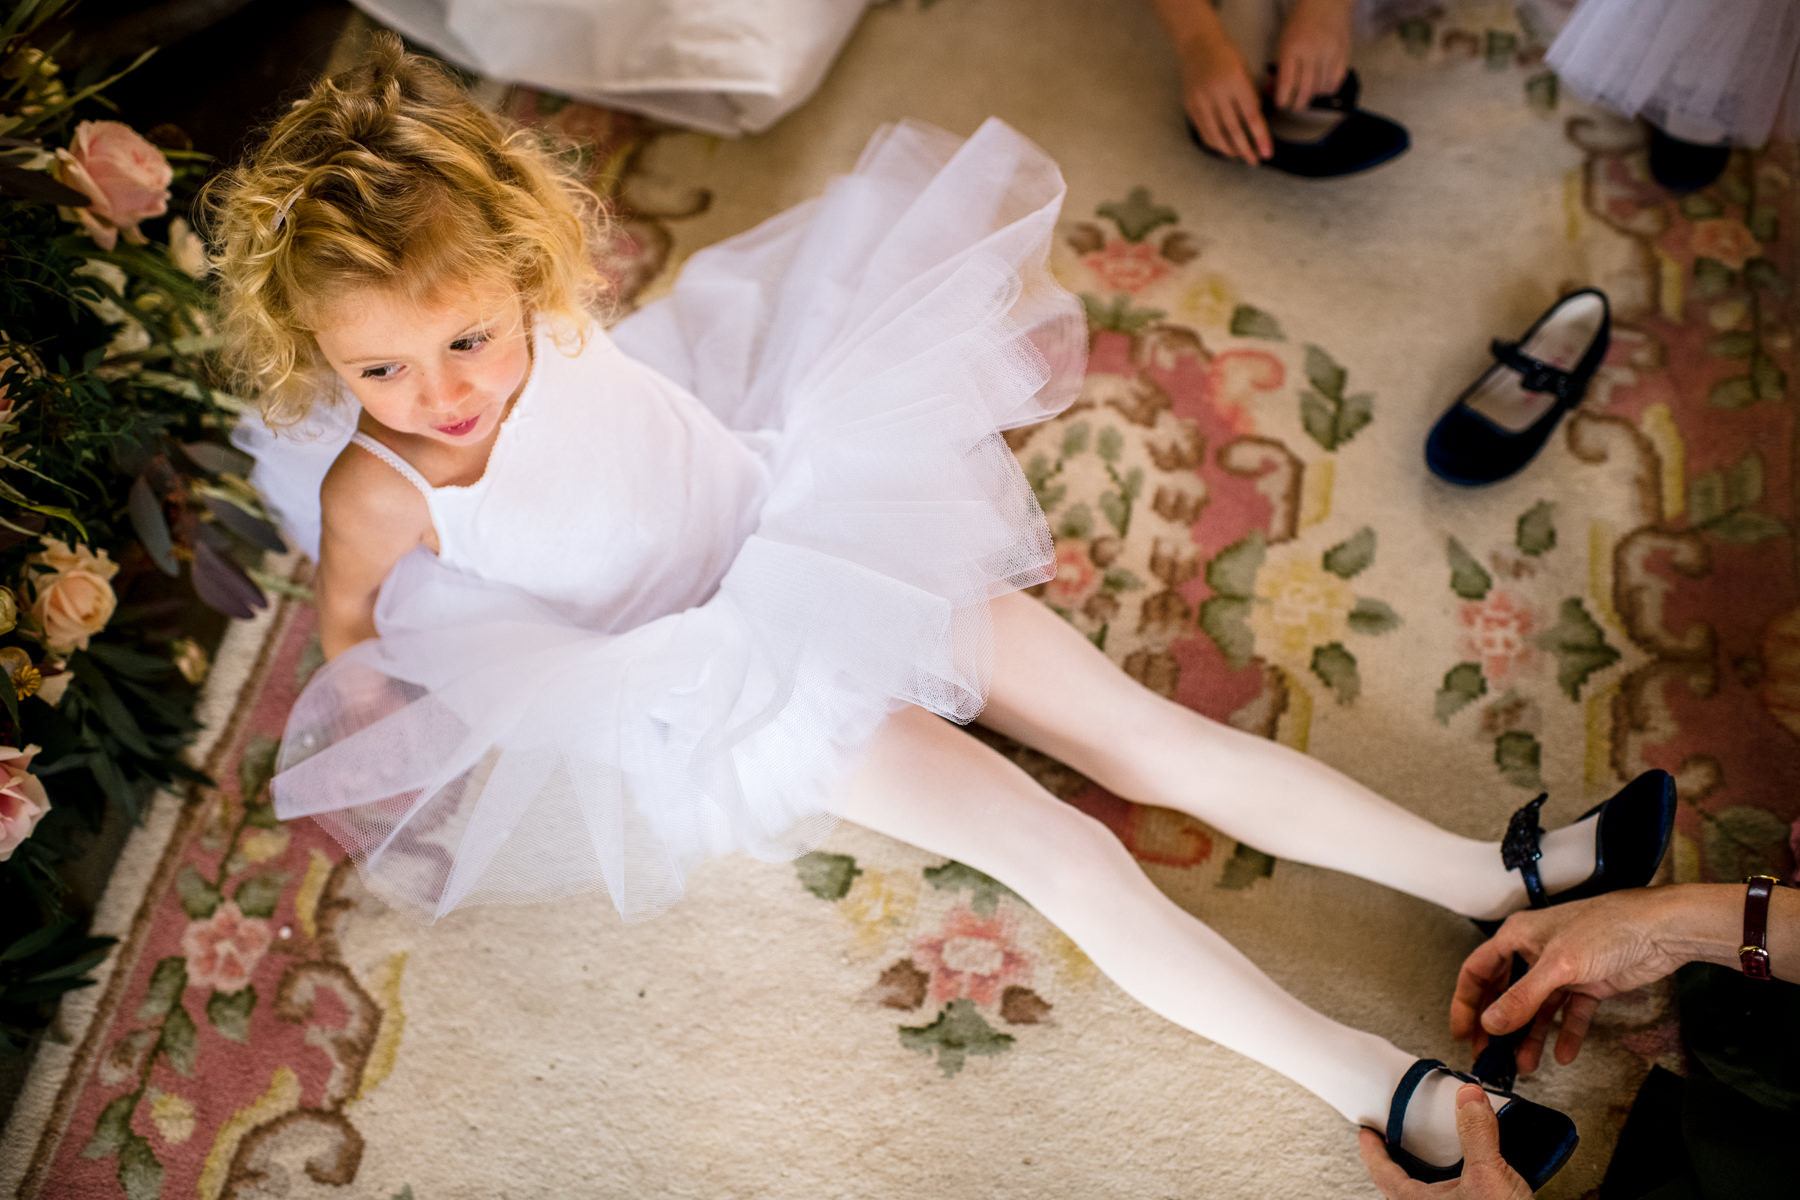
1055	692
928	783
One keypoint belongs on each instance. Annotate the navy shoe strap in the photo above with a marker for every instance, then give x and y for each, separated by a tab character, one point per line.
1520	852
1409	1083
1535	375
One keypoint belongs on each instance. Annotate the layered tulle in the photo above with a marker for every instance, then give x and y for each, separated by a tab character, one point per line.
1703	70
499	743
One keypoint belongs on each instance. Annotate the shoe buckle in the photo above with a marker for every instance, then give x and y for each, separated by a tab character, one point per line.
1534	376
1519	848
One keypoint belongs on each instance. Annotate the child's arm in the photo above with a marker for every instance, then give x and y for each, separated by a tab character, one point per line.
372	518
1314	51
1216	87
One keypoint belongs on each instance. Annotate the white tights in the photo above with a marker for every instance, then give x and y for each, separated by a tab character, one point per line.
928	783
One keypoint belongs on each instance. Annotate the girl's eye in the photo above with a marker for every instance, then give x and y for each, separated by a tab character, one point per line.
474	341
383	372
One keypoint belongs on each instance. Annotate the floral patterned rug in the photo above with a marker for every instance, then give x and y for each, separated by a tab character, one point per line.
1243	523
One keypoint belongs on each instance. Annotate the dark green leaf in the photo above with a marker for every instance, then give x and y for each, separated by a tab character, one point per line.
1766	379
1232	571
1324	373
218	459
1736	392
38	939
112	1127
1744	481
827	876
223	585
1373	616
177	1041
167	983
230	1012
258	895
985	891
1352	556
1463	685
1246	865
1255	323
1698	206
1712	277
1745	528
1137	215
139	1173
1736	343
1336	669
1518	755
1226	620
1579	646
247	525
1536	533
257	766
1468	578
959	1031
199	897
152	526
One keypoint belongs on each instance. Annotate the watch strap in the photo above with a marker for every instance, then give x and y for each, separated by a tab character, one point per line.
1753	955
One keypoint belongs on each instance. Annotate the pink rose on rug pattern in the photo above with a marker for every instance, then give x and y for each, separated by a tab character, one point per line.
1726	240
972	956
1076	575
224	949
1127	266
1498	635
23	801
125	178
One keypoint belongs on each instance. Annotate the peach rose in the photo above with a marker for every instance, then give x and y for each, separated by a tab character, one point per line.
224	949
125	178
74	599
1725	240
22	799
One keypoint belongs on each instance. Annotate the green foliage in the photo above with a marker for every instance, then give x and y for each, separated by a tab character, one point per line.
959	1031
827	876
984	890
1463	685
1468	578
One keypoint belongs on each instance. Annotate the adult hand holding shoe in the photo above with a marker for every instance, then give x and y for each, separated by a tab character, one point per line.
1313	52
1485	1175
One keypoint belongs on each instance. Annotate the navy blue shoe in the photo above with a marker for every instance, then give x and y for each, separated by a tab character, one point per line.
1630	839
1682	166
1358	141
1535	1141
1504	418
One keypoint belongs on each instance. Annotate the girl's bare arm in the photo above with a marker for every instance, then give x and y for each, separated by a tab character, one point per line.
372	518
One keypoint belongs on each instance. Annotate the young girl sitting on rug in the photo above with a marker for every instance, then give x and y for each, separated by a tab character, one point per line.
599	605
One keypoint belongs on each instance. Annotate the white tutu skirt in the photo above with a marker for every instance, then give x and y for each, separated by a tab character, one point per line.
496	745
1702	70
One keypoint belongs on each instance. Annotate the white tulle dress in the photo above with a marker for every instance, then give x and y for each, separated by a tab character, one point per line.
1703	70
710	554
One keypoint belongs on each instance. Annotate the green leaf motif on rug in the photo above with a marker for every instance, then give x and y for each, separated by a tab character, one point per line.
1698	206
1336	669
1712	278
198	895
827	876
1232	571
1468	578
1077	523
139	1173
1250	322
1767	380
230	1012
1760	272
167	982
1765	223
256	767
1739	391
258	895
1329	417
1372	616
1579	646
405	1193
1736	343
984	890
1137	216
1741	840
1542	91
1720	503
1226	620
1075	439
1501	46
112	1128
1416	34
177	1041
1246	865
1518	756
959	1031
1352	556
1463	685
1536	533
1121	316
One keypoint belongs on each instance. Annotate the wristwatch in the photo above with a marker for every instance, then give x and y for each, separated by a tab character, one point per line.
1754	953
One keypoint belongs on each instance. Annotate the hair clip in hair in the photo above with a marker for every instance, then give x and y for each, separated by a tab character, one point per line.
282	212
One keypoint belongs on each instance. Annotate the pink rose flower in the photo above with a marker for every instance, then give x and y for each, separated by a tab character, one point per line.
972	956
1127	266
22	799
224	949
1726	240
125	178
1498	634
73	598
1075	575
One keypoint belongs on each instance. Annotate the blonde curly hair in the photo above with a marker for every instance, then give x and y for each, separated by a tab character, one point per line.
388	176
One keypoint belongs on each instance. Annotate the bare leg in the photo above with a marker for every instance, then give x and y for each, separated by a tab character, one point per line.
1055	692
928	783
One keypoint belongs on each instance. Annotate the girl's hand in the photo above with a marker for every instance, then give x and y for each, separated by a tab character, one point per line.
1221	98
1581	953
1313	53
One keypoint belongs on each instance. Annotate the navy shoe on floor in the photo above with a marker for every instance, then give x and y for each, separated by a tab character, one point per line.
1685	166
1357	141
1504	418
1631	835
1535	1141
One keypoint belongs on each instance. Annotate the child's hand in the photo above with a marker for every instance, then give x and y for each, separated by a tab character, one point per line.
1217	90
1313	53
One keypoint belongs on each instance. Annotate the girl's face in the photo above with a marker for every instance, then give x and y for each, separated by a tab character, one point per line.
444	371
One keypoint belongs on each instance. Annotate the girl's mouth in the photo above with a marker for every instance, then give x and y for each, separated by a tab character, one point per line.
460	428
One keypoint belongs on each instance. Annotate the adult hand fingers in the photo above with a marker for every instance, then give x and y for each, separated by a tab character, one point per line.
1384	1173
1208	125
1256	131
1531	1050
1286	87
1483	975
1516	1005
1578	1014
1477	1128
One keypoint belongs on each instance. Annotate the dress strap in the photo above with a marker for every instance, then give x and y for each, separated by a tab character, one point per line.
393	460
